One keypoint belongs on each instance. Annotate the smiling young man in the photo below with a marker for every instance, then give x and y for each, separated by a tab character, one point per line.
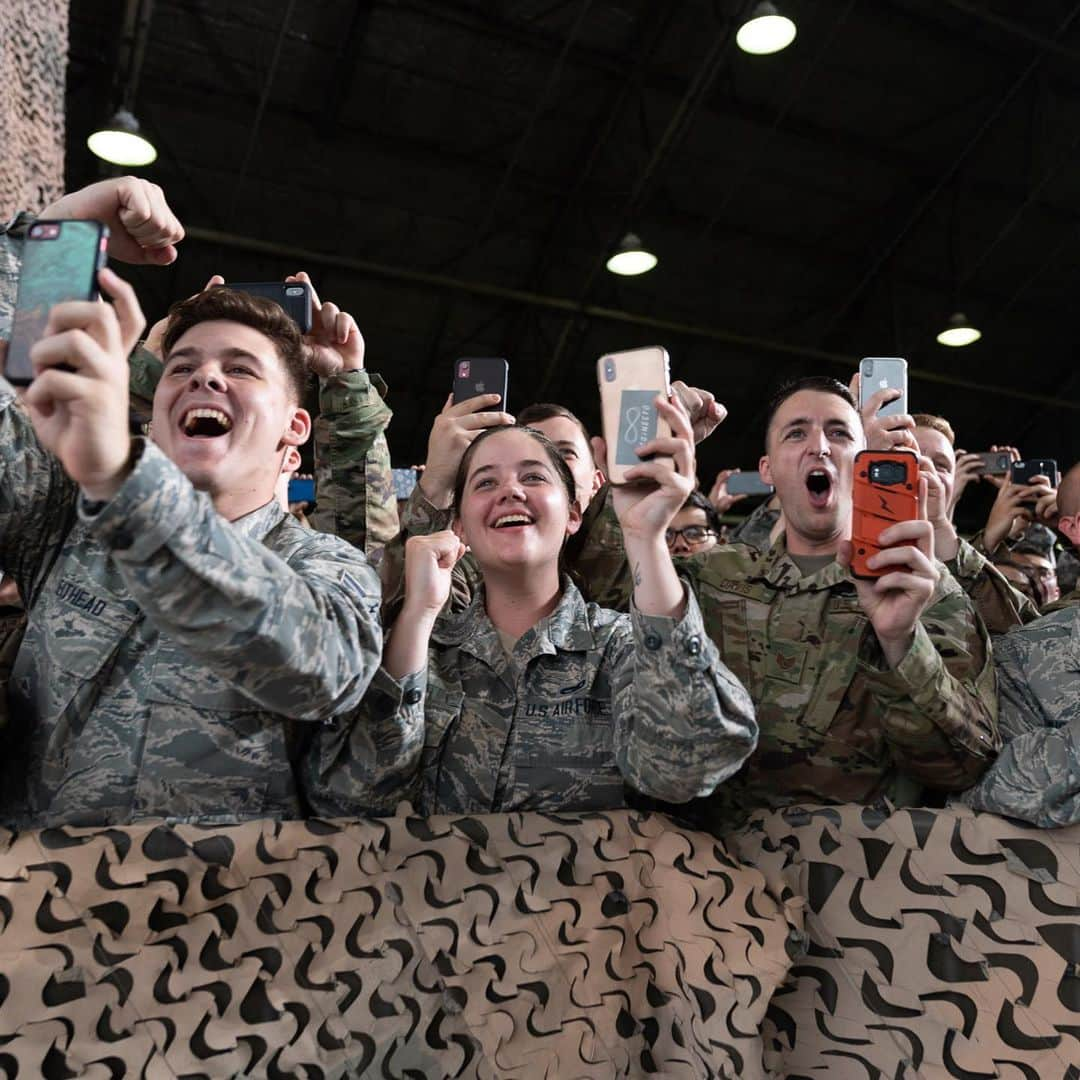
184	626
862	688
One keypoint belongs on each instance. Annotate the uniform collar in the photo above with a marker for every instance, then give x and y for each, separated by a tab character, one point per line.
259	522
781	571
568	628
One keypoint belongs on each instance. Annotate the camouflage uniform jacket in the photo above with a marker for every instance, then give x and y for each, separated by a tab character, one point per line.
837	725
352	460
169	651
12	235
1037	775
594	557
590	700
756	529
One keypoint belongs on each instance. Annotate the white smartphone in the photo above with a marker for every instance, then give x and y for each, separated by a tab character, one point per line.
883	373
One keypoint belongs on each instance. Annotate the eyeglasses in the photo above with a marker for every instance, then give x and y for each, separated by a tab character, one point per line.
692	534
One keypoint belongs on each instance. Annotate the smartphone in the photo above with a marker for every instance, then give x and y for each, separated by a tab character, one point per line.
474	376
404	482
885	491
748	483
302	490
883	373
629	383
61	260
293	296
1023	471
995	462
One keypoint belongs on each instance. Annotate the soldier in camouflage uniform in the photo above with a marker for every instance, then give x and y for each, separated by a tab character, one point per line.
861	689
1037	775
180	638
532	699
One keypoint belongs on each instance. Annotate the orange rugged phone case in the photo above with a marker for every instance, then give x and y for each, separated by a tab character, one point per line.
885	491
629	382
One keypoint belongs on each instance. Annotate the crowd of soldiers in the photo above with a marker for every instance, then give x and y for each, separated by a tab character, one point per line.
522	635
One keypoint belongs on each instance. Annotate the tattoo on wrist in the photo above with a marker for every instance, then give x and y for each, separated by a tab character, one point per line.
637	573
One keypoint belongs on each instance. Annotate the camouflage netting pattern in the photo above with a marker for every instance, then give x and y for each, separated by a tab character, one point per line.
850	942
33	69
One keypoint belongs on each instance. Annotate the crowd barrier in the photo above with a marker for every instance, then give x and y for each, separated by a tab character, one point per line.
845	942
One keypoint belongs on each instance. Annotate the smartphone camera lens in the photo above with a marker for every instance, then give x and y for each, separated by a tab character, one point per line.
45	232
887	472
609	369
294	290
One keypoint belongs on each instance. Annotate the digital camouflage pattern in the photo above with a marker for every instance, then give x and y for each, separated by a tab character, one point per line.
590	701
836	724
12	235
354	484
594	557
1036	777
171	656
1000	606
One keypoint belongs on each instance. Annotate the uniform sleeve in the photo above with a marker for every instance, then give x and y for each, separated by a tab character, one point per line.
144	373
1000	606
683	722
366	763
37	500
421	518
354	484
939	705
597	562
300	638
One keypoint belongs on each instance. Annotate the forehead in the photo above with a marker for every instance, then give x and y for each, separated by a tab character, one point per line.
507	447
933	442
560	429
690	515
817	406
215	337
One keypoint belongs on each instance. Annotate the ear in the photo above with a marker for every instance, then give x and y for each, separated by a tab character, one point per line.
455	528
291	461
1070	526
573	522
299	429
765	469
597	482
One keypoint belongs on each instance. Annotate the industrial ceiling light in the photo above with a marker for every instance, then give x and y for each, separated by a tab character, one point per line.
120	141
631	257
766	31
958	332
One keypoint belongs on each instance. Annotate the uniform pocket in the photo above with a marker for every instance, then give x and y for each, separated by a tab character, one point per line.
81	626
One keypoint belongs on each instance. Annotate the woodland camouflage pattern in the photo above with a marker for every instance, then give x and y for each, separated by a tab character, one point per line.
12	235
590	701
756	530
169	653
1000	606
594	557
1037	774
836	724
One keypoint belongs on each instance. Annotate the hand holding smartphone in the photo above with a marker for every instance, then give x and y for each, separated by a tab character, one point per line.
629	384
61	260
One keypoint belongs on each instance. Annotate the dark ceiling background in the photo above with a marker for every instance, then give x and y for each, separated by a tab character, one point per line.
455	173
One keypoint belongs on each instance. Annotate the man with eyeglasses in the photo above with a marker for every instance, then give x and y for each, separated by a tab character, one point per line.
695	528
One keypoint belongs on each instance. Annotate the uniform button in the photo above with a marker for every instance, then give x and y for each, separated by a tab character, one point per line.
652	642
413	696
693	646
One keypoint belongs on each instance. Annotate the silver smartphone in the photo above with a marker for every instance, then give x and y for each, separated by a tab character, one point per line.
883	373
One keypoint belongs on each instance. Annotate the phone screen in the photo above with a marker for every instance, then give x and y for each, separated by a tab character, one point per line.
60	262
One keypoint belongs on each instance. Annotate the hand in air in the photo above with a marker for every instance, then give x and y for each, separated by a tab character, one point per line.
429	563
335	342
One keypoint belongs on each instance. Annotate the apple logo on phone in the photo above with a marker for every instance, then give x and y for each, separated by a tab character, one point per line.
481	388
884	384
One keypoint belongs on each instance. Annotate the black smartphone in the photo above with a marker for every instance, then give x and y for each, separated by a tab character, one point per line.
748	483
1023	471
995	462
474	376
302	489
61	260
293	296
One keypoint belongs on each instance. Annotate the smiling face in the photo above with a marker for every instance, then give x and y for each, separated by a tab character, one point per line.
811	446
515	512
226	413
575	451
936	447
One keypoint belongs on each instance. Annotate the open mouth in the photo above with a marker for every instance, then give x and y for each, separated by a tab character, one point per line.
819	486
205	423
512	521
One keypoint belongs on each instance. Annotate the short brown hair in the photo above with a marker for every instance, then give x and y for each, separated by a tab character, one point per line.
936	423
819	384
229	305
546	410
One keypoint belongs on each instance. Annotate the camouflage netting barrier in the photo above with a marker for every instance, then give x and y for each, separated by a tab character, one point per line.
590	945
942	944
33	63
